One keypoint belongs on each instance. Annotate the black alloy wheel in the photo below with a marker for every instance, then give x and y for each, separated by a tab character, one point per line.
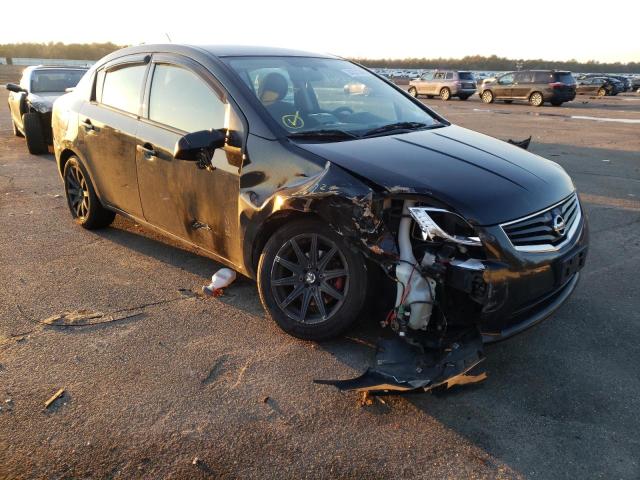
77	192
310	282
310	278
84	205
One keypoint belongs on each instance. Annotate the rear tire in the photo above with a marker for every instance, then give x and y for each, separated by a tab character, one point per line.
34	134
463	97
536	99
602	92
413	91
429	97
487	96
291	292
84	205
445	94
556	104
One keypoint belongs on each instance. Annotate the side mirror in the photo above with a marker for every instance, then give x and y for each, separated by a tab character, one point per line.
69	89
12	87
193	145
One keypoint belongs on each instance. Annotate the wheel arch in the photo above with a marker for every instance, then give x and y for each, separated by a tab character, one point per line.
272	224
65	154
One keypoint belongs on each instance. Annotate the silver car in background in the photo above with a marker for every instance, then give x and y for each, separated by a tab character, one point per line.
445	84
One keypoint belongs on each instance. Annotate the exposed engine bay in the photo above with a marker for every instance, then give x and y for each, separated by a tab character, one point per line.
427	348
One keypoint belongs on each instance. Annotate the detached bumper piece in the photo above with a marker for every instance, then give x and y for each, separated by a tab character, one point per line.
400	366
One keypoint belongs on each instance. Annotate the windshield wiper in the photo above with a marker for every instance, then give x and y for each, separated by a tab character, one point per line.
397	126
324	133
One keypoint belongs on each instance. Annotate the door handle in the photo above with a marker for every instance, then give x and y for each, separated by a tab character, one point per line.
147	150
87	125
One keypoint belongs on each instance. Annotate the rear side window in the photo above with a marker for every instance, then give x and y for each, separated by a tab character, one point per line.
122	87
439	76
523	77
564	77
465	75
543	77
449	75
181	99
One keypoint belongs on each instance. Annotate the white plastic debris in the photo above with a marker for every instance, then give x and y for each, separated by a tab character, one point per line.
221	279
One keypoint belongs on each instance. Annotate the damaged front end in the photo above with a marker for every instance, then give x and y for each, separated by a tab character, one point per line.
438	269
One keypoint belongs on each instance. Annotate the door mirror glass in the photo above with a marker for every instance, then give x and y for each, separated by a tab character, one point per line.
193	146
12	87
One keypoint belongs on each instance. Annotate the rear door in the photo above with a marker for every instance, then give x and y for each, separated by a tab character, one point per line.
522	84
107	126
436	83
195	201
504	86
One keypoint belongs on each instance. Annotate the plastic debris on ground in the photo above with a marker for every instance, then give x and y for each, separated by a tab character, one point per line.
220	280
402	367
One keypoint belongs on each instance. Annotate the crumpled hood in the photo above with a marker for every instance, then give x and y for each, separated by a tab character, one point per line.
43	102
486	180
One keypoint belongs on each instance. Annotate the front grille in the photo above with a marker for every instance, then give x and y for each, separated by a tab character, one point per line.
547	230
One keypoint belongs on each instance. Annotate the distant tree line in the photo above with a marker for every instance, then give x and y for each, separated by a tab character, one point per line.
70	51
495	63
95	51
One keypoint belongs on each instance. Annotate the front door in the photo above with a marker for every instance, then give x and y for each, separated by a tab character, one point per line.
422	84
504	86
195	201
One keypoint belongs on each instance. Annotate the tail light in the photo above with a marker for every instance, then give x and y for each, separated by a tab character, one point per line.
557	85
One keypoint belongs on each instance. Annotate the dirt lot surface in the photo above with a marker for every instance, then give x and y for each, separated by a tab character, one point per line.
197	388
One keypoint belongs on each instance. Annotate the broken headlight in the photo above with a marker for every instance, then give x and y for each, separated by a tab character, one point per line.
439	224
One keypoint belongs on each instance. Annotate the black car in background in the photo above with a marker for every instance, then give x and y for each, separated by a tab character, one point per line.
262	159
599	86
31	101
533	86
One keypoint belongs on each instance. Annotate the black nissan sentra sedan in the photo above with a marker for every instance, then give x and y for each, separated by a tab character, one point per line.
325	183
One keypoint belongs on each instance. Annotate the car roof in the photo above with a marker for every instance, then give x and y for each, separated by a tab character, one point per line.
217	50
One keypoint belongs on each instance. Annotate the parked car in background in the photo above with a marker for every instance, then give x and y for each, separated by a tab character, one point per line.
599	86
635	83
31	101
622	83
534	86
445	84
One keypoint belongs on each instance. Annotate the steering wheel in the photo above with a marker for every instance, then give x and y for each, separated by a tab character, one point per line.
343	111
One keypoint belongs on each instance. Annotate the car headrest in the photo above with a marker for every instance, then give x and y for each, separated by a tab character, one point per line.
273	87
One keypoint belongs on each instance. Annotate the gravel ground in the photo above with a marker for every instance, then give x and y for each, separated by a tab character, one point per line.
208	388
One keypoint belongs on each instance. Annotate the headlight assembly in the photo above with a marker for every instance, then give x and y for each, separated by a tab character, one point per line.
436	223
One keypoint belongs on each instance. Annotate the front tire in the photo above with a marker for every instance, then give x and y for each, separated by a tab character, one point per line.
487	96
536	99
413	91
34	134
310	282
84	205
445	94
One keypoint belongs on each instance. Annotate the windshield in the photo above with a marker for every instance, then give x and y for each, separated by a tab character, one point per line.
54	80
465	75
305	95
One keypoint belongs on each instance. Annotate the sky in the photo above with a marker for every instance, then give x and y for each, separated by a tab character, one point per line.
553	30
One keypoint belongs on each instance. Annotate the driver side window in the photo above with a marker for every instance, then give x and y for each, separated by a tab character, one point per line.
506	79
